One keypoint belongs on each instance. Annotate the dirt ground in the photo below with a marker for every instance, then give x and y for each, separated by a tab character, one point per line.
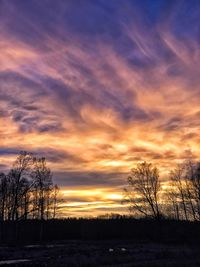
101	253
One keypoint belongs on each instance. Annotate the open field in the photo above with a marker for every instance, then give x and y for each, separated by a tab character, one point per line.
113	242
101	253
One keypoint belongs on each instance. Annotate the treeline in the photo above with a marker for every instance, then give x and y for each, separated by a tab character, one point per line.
29	231
177	198
27	190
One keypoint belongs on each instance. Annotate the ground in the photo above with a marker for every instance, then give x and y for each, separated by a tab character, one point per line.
101	253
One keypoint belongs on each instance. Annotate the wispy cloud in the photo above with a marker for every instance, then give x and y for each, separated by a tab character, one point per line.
98	86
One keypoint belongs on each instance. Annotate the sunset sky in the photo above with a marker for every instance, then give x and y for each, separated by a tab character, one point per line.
96	86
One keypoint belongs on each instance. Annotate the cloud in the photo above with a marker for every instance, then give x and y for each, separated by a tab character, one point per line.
51	154
97	87
100	178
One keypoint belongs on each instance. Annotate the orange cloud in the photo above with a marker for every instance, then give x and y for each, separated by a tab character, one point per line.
98	104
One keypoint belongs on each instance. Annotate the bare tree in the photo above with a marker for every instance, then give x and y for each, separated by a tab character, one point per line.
27	191
178	181
55	199
42	177
18	174
186	182
3	193
193	182
171	202
143	190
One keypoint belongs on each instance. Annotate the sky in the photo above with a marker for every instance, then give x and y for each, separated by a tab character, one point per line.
97	86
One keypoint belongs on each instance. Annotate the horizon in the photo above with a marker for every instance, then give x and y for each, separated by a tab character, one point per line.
96	87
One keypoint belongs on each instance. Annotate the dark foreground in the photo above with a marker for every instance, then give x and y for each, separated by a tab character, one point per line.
96	242
101	253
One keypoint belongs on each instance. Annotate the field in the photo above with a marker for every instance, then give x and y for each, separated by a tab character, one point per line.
101	253
113	242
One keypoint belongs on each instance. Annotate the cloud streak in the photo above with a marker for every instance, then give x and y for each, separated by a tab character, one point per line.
97	86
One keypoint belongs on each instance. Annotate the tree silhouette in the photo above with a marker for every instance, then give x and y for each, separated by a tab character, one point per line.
27	191
143	190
